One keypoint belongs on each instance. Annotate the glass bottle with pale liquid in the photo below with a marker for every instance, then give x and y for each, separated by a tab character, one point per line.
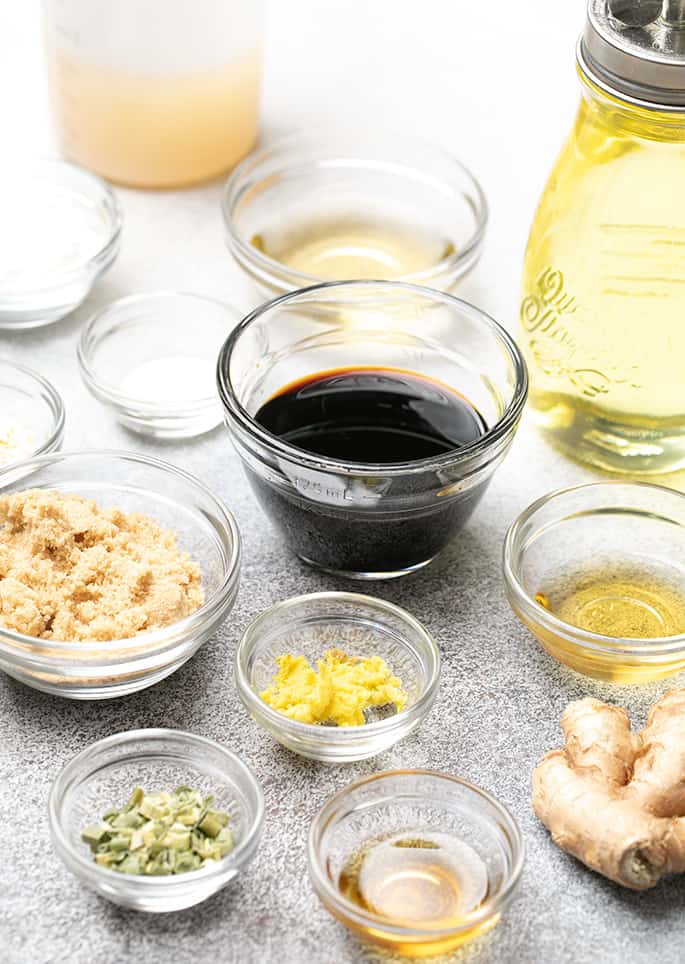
602	316
155	93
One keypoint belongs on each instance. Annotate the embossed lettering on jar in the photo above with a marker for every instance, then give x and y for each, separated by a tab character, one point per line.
604	279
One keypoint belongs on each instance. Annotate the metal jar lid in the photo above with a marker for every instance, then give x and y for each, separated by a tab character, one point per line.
636	50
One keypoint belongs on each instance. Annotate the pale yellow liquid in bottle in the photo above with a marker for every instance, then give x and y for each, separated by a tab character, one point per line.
156	130
340	249
603	309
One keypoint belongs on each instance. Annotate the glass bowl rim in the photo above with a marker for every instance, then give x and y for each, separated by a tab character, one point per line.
155	638
94	187
337	735
486	910
140	882
500	429
606	645
233	190
112	309
55	402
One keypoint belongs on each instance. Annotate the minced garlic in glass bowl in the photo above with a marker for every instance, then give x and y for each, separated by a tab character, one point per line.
31	415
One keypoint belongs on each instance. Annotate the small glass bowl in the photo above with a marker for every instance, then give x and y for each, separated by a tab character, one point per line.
105	774
370	520
31	415
360	626
325	178
178	501
414	802
60	230
619	528
151	360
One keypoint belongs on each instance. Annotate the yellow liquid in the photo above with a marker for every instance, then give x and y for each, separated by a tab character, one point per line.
157	130
616	600
430	881
619	603
601	317
356	248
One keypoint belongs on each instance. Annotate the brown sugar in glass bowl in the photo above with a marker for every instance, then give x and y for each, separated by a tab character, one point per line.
178	502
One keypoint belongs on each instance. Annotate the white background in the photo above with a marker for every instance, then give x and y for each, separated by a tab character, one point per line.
492	80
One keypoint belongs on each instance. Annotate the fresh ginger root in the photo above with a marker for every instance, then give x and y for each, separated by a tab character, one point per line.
616	799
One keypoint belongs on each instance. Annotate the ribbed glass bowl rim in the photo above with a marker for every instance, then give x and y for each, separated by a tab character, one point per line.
96	189
155	639
110	392
241	174
333	735
505	424
54	401
607	645
76	771
489	908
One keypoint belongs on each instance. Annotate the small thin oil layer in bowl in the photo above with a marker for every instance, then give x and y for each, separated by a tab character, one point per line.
338	205
376	678
596	573
416	861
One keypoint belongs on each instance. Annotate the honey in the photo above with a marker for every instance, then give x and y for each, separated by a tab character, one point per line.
352	248
430	882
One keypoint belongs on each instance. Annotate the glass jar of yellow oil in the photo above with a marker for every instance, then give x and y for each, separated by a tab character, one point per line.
602	315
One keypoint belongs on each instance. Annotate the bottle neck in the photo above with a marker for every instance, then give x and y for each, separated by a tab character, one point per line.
624	117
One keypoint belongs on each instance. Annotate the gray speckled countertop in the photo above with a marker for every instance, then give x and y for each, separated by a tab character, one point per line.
500	697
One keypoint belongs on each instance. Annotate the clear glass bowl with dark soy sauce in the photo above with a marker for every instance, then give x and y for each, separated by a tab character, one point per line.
370	417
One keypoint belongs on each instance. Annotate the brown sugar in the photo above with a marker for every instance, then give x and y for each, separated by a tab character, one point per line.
70	570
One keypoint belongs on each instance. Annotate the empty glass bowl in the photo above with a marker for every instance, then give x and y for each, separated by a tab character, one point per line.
332	206
597	573
359	519
31	415
60	230
359	626
179	502
415	804
151	360
105	774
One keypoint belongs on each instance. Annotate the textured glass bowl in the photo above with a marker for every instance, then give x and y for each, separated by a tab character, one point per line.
106	773
178	501
31	401
32	195
415	802
147	328
370	520
360	626
341	174
590	527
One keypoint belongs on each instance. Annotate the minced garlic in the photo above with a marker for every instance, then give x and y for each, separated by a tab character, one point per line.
339	692
14	444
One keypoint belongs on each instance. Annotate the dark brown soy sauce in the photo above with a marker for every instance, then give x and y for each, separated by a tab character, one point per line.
381	416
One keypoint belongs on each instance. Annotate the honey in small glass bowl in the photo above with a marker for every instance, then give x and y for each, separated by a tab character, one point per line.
416	861
596	573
